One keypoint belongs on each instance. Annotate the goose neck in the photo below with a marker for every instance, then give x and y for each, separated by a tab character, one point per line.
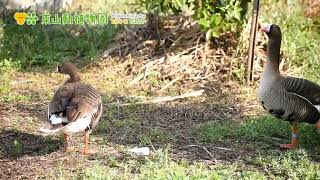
273	55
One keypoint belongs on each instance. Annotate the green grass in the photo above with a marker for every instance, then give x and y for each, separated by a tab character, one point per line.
160	166
154	134
7	70
47	45
295	164
301	37
264	159
288	165
264	129
214	131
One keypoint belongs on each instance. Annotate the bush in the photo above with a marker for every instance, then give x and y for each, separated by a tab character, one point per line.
214	16
222	16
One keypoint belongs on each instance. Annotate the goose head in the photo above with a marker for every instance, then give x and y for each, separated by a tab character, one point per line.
273	31
274	43
71	70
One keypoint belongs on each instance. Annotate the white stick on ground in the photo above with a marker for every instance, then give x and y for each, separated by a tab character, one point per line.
164	99
170	83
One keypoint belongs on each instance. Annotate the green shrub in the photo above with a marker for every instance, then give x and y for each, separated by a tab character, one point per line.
214	16
217	17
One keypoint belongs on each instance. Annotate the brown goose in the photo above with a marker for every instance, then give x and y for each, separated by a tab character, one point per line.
292	99
75	108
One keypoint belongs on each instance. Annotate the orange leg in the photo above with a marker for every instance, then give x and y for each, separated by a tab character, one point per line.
294	140
65	138
86	143
317	125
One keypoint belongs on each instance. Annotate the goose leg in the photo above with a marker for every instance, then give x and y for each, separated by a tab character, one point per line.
86	143
317	126
294	140
66	147
65	142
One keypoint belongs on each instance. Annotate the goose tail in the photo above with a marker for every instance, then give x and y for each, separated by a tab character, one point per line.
48	129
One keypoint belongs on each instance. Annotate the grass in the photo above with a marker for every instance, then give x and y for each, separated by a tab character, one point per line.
265	129
41	45
289	165
123	128
160	166
214	131
154	135
7	70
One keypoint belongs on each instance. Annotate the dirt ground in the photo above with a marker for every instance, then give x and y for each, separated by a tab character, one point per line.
26	154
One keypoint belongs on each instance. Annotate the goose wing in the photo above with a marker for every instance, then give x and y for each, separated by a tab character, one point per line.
75	101
290	106
60	101
302	87
86	101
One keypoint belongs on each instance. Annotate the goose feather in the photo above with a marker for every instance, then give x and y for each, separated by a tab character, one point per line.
75	107
289	98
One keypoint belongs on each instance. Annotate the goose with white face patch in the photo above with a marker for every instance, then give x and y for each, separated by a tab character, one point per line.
75	108
292	99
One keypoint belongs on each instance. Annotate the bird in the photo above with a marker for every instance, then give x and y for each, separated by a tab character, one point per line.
292	99
75	108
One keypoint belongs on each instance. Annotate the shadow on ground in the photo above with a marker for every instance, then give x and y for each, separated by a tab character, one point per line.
181	125
173	125
15	144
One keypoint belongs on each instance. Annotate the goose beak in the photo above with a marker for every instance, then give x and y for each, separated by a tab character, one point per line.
266	28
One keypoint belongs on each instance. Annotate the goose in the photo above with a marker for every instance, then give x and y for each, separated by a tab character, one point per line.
288	98
75	108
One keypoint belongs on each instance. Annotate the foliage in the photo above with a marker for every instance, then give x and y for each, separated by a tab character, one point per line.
215	17
163	6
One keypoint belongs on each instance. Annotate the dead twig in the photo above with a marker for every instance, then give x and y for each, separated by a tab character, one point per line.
22	81
138	78
222	148
154	150
106	53
197	49
164	99
7	135
171	83
209	153
159	36
205	149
